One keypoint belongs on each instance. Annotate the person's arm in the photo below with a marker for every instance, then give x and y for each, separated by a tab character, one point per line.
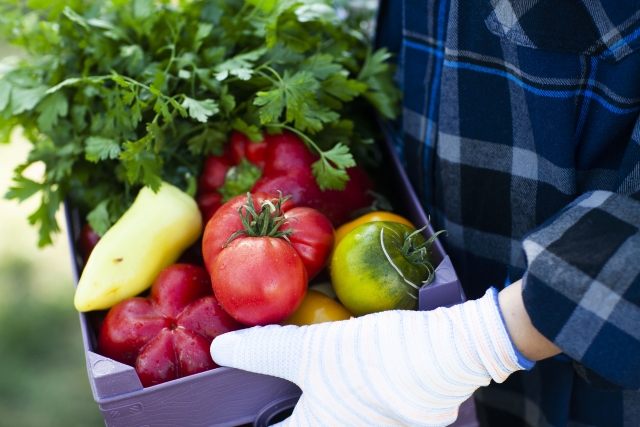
525	337
581	288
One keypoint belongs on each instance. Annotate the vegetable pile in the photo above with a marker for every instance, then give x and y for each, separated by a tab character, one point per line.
223	134
118	95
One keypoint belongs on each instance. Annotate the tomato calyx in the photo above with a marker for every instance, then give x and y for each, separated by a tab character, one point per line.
263	223
419	255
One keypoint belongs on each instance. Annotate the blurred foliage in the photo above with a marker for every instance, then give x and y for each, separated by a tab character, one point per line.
43	377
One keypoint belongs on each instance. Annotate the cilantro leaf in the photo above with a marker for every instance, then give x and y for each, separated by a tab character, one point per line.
252	131
240	66
142	165
294	92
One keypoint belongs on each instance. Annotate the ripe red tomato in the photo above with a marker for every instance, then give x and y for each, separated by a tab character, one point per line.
208	204
87	241
261	278
288	169
215	171
243	147
167	335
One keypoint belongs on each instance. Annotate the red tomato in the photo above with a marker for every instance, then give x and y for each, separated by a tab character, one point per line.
312	234
288	169
243	147
208	204
167	335
215	171
299	183
87	241
285	152
259	280
340	204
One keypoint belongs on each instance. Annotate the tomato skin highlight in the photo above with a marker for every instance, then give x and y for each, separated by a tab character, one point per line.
259	280
364	269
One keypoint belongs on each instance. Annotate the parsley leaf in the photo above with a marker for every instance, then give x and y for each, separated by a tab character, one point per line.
100	148
200	110
239	179
330	169
117	95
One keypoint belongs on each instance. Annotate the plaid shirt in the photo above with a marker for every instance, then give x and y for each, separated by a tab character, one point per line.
521	134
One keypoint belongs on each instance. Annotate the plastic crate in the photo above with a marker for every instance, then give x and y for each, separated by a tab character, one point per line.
227	397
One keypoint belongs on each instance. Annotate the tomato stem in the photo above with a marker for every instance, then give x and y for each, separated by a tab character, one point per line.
263	223
419	255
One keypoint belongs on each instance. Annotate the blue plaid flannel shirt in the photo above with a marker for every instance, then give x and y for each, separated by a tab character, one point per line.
521	134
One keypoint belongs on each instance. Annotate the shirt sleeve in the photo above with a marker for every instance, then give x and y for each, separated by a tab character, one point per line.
582	284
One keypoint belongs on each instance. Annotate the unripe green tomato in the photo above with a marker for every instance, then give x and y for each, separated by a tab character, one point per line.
370	273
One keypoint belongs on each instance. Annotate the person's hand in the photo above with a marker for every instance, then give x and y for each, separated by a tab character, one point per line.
393	368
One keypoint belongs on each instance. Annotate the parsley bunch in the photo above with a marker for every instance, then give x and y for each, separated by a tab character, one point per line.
116	95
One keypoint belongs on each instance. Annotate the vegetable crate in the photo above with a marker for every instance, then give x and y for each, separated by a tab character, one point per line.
227	397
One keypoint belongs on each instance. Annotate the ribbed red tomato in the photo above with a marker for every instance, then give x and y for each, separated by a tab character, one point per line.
167	335
260	251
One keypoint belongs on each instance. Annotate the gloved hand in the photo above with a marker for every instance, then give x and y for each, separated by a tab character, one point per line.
393	368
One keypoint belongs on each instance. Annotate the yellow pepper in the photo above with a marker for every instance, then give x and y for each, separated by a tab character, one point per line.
151	235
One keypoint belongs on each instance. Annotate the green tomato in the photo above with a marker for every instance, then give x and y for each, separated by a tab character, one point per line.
380	266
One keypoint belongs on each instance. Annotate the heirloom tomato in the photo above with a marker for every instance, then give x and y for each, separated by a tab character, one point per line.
370	217
260	250
168	334
381	266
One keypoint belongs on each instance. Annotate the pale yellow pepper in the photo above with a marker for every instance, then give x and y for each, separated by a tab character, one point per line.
151	235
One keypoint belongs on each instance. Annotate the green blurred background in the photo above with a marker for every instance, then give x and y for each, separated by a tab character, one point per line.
43	376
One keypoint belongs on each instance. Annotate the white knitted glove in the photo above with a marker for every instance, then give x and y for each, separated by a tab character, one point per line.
395	368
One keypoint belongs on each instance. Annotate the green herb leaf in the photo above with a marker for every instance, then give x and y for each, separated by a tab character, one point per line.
239	179
99	218
100	148
200	110
50	108
23	188
5	93
330	169
26	99
252	131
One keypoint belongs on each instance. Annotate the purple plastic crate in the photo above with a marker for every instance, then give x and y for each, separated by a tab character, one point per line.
227	397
